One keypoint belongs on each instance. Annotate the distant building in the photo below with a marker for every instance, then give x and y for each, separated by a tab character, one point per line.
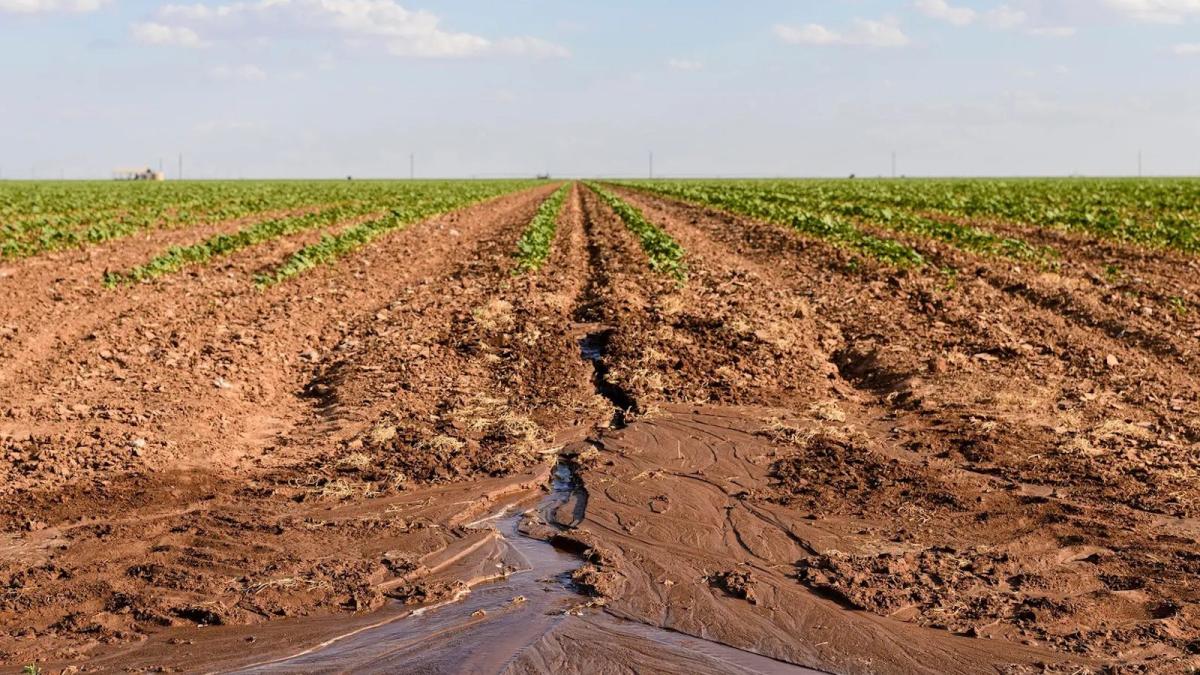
138	174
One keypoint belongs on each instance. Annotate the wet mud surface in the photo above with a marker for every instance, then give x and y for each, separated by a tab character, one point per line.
415	460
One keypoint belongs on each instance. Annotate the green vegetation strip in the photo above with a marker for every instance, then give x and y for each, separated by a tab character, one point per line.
959	235
178	257
837	231
332	247
534	245
1155	213
666	255
40	217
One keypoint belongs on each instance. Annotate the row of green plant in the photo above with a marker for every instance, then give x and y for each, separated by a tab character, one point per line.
380	210
451	197
178	257
534	245
666	255
66	215
838	231
832	209
1159	213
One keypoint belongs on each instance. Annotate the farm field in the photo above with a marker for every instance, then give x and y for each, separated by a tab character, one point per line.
854	426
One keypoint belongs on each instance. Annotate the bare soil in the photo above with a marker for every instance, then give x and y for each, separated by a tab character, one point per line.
794	453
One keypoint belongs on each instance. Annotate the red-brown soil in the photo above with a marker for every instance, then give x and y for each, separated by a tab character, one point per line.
819	460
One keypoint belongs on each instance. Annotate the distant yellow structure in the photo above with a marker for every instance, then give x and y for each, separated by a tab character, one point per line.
138	174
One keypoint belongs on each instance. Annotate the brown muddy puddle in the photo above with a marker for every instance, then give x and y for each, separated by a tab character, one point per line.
494	626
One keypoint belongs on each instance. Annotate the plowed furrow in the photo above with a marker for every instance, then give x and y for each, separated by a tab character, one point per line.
936	392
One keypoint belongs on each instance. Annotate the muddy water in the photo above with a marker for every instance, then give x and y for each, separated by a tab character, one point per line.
533	619
491	627
592	348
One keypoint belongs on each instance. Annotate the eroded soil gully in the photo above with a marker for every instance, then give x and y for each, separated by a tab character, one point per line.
534	601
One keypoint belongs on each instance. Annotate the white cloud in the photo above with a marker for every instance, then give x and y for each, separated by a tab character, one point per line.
809	34
531	46
863	33
943	11
152	33
45	6
385	23
1004	17
1054	31
1187	49
247	72
1157	11
684	64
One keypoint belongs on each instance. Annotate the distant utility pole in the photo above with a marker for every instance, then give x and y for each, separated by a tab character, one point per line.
652	164
412	166
893	164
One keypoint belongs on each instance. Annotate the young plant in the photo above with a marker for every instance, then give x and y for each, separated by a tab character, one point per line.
534	245
666	255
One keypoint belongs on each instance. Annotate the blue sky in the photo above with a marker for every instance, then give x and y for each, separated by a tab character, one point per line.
315	88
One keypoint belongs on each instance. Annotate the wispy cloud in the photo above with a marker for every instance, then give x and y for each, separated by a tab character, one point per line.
390	26
1187	49
47	6
1001	17
943	11
1157	11
151	33
1005	17
862	33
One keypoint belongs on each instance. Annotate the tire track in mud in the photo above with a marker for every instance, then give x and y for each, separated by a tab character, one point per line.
914	412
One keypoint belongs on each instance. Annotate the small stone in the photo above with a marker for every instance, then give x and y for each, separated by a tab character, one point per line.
221	383
1112	361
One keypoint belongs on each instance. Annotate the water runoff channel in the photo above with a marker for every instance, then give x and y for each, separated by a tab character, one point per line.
487	629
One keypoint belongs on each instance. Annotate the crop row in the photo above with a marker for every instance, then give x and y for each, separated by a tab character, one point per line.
39	217
534	245
1162	213
665	254
361	221
450	197
829	209
838	231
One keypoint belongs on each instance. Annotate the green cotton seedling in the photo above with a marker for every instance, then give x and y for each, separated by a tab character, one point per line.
533	248
665	254
455	196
